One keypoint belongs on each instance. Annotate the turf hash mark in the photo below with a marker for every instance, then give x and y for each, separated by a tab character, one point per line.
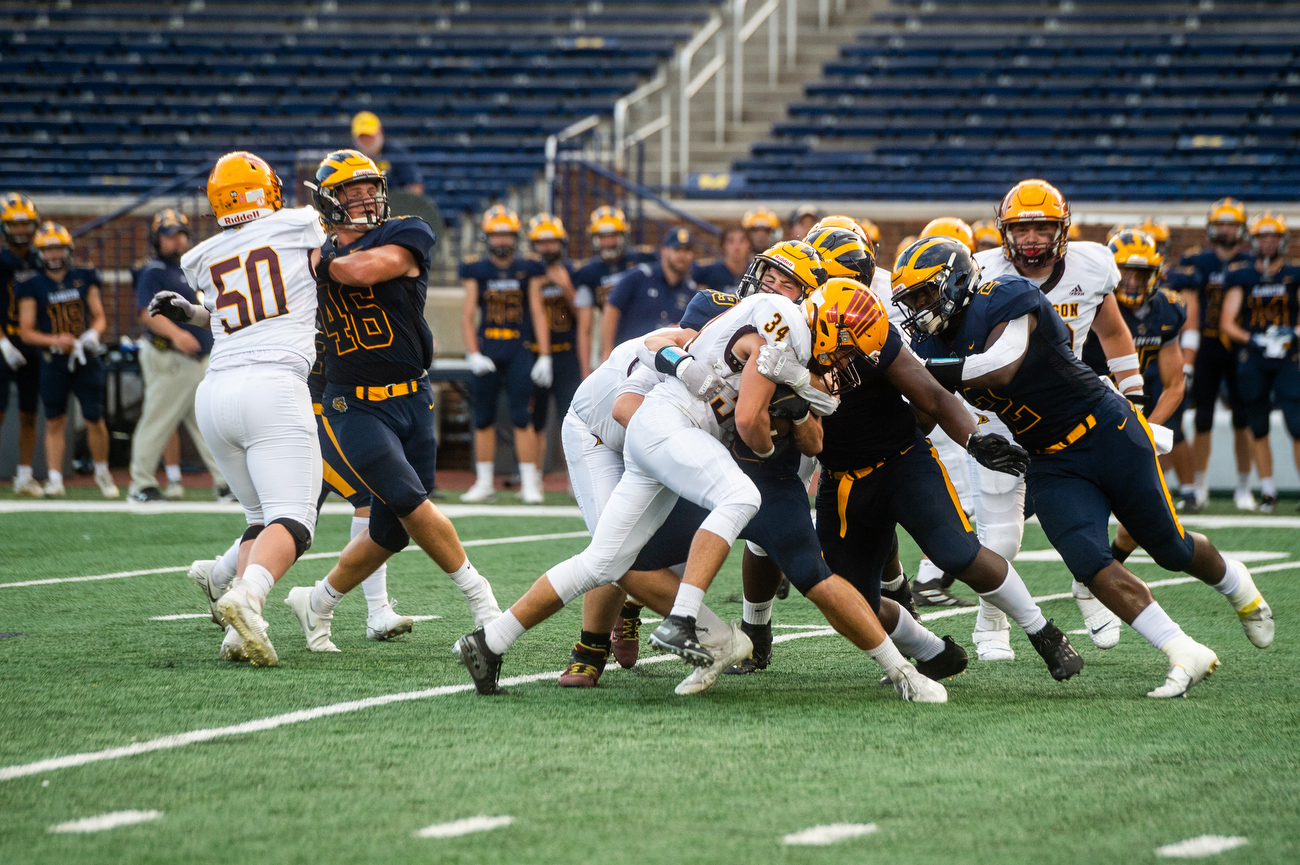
467	826
106	821
822	836
1201	846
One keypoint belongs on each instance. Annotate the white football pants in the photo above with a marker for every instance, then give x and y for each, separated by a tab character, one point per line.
998	499
594	468
953	457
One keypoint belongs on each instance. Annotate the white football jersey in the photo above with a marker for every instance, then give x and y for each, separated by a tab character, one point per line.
593	401
1090	274
258	287
771	316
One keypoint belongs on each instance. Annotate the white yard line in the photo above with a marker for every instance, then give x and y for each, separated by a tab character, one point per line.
20	506
457	828
106	821
821	836
178	616
1202	846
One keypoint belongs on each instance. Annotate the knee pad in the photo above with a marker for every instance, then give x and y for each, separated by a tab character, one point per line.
571	578
300	533
387	530
1002	538
730	516
521	415
755	549
251	533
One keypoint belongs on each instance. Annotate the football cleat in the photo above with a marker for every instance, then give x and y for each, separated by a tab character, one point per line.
676	634
107	488
950	662
482	603
1255	613
224	496
737	649
913	687
531	494
175	492
232	647
483	664
314	625
625	639
386	624
29	489
761	638
1054	648
1103	625
585	666
994	644
201	575
53	490
1244	500
1267	504
903	597
783	590
146	495
933	594
237	609
1189	504
1189	663
479	493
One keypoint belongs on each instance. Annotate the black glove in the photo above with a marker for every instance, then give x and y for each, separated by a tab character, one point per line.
1140	400
995	452
328	252
787	404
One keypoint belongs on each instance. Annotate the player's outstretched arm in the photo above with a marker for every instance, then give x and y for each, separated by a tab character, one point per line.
1228	325
926	395
1117	344
753	424
372	266
1170	364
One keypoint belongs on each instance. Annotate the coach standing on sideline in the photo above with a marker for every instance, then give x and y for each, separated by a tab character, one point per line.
173	360
650	296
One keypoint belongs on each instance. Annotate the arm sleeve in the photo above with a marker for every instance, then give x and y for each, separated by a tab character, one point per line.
642	380
1008	347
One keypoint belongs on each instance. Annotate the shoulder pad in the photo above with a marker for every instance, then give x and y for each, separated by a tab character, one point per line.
24	275
645	248
1194	251
471	259
1239	265
1172	297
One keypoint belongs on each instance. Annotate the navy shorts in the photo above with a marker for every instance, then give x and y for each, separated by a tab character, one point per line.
27	378
1154	387
567	377
514	365
86	382
1216	365
856	518
1265	381
332	481
782	527
386	448
1111	469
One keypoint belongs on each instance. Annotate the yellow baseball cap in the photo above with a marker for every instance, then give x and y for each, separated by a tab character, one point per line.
366	123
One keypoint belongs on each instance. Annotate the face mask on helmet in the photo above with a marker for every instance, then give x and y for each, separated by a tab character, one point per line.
1136	285
942	295
1226	233
1036	252
19	231
349	205
54	257
502	245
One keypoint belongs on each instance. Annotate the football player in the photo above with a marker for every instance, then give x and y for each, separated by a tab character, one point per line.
607	229
498	351
61	311
1198	277
724	274
762	227
377	409
1260	309
986	234
1001	342
950	226
253	407
802	220
1079	280
19	363
550	297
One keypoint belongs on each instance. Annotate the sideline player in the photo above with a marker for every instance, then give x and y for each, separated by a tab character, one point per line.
607	229
496	286
61	311
1000	341
1259	316
19	363
253	406
1198	277
550	299
377	408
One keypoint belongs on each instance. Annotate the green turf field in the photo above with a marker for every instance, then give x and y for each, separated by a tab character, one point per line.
1015	768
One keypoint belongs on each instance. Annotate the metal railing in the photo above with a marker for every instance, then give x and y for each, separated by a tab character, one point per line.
689	86
742	31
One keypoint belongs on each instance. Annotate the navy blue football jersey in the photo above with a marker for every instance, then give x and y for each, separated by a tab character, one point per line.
10	267
593	281
873	421
1266	302
1201	270
1052	391
559	314
506	322
706	306
376	335
60	306
1153	326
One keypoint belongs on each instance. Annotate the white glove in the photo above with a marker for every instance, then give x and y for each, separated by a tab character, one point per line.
776	364
90	340
480	364
171	305
12	355
76	356
542	374
703	382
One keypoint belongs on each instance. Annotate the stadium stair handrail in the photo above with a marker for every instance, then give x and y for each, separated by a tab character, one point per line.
159	190
636	189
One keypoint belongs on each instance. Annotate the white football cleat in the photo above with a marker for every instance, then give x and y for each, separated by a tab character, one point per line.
1244	500
174	492
479	493
1255	613
107	487
482	603
994	645
531	494
912	687
236	608
232	647
1102	624
736	649
314	625
386	624
201	574
53	490
1189	663
29	488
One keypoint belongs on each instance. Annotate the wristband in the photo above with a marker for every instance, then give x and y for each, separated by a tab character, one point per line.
1128	361
800	421
1190	339
668	358
769	453
1188	369
1130	381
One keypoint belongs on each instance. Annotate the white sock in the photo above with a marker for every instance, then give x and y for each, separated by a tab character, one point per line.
374	586
757	614
913	639
227	566
688	601
1266	487
528	475
1243	482
895	584
1079	590
990	618
888	657
1155	624
101	468
56	477
467	578
1186	490
24	475
502	632
173	474
1231	581
1201	482
483	474
928	572
259	582
324	598
712	631
1013	599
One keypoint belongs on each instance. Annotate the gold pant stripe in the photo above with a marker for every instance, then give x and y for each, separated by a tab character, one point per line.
335	480
952	491
329	431
1169	500
1075	434
846	480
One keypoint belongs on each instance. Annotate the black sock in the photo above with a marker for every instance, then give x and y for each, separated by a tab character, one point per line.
631	610
1119	554
596	641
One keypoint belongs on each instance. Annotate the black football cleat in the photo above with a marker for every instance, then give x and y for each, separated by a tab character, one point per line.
761	637
783	590
948	663
933	594
903	597
1054	647
676	634
483	664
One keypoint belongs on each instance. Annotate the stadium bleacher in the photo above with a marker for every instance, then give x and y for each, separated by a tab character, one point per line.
114	98
1111	101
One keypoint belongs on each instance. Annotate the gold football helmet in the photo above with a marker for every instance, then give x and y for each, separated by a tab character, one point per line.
1159	231
339	170
794	258
950	226
1136	251
1226	223
843	252
18	218
49	238
607	221
1034	201
934	278
847	321
1265	224
243	187
986	234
